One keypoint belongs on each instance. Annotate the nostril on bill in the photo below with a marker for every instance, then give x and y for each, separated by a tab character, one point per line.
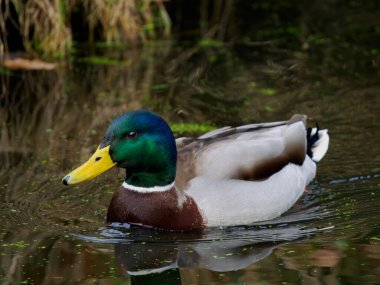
98	158
65	180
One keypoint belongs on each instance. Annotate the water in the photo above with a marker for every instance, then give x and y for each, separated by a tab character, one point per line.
51	121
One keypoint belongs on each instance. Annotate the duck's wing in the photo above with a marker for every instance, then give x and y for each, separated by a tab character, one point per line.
250	152
188	150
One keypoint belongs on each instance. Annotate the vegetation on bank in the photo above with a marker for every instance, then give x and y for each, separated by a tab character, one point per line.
49	27
52	27
340	28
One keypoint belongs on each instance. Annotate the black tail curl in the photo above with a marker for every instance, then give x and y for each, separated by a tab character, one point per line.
311	140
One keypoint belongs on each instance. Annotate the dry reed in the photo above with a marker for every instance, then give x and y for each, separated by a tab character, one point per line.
45	25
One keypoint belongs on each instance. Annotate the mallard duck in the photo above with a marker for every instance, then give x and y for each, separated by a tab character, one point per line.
229	176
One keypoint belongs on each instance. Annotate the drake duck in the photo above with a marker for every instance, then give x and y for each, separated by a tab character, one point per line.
229	176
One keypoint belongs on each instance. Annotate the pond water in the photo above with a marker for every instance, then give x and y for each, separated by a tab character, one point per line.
51	121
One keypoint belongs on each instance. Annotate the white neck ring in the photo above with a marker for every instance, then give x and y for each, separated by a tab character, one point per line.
148	189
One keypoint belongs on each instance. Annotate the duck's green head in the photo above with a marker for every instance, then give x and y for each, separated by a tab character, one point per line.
139	141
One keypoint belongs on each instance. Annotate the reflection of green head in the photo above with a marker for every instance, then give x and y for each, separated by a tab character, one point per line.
143	144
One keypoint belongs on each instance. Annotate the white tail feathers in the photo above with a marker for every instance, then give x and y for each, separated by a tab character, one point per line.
319	147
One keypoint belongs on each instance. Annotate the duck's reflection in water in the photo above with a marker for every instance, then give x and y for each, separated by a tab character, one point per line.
142	259
145	261
172	251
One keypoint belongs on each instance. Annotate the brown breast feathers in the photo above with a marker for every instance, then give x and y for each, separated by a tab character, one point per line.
157	209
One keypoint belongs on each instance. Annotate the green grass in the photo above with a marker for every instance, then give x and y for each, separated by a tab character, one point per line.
191	128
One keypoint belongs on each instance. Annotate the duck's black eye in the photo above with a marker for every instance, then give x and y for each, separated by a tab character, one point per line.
132	135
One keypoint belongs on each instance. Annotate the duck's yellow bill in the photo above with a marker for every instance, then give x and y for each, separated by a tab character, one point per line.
98	163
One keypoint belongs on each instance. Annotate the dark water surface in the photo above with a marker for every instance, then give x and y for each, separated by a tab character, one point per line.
51	121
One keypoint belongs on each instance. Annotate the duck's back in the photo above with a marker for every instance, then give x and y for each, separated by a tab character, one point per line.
246	174
251	152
